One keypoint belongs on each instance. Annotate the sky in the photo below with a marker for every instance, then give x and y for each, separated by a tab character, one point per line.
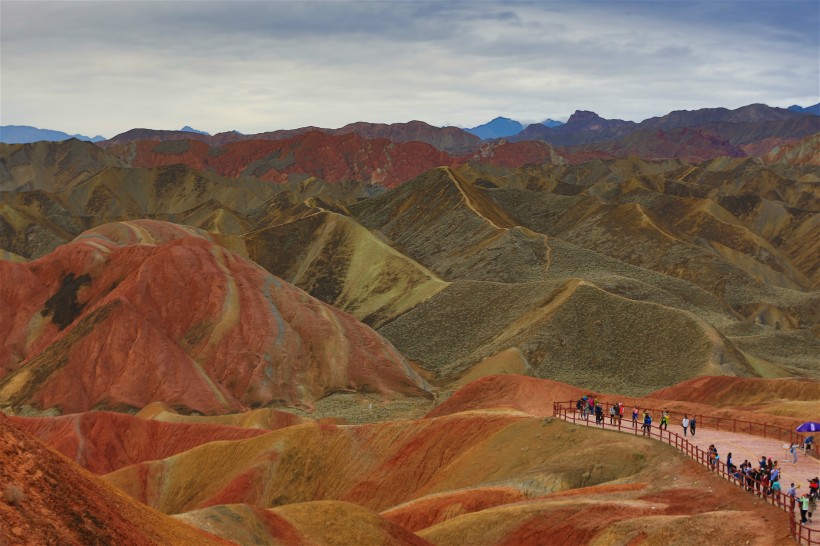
106	66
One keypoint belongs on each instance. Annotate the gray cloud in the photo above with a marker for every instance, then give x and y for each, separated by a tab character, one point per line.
109	66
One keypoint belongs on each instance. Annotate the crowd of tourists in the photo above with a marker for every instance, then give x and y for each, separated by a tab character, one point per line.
587	406
761	477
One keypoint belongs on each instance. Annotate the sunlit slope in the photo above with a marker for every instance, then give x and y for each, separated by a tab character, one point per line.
450	227
340	262
149	311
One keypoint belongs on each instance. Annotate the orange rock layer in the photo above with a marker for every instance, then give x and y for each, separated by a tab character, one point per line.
105	323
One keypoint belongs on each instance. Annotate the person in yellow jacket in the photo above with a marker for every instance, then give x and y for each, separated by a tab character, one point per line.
665	420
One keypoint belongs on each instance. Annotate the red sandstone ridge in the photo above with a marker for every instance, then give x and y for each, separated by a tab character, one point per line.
46	499
102	442
447	139
527	394
741	391
101	323
332	158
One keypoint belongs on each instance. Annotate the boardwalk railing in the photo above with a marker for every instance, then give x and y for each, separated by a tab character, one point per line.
800	533
785	435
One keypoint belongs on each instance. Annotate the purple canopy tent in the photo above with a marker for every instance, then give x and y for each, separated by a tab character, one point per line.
810	426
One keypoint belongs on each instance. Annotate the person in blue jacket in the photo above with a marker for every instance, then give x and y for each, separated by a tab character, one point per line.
647	424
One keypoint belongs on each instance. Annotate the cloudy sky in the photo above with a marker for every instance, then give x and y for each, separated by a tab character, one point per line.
108	66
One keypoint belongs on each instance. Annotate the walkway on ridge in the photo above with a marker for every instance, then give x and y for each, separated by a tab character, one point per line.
742	446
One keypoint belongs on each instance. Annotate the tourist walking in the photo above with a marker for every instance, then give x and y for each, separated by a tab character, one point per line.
665	420
804	507
685	424
635	418
692	425
793	451
647	424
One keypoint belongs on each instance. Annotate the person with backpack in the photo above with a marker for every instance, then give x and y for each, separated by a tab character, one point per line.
685	424
582	406
692	424
647	424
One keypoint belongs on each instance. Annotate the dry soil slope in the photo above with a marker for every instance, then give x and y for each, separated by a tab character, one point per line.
566	329
671	516
338	261
445	224
450	225
319	522
47	499
381	465
103	442
484	477
33	223
802	152
51	166
105	323
262	418
797	398
721	236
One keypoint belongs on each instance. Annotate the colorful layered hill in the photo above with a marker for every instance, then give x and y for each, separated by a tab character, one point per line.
579	272
333	158
484	465
573	263
47	499
132	313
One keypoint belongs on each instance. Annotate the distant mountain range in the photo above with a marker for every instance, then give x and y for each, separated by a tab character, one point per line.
23	134
814	109
497	128
189	129
447	139
738	127
751	130
504	127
